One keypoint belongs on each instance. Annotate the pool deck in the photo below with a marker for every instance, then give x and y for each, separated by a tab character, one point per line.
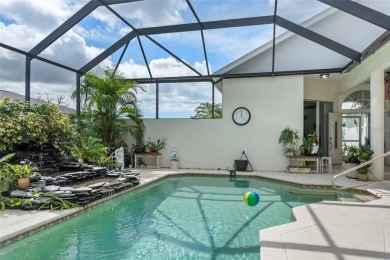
326	230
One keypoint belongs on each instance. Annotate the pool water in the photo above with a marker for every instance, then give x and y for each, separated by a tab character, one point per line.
176	218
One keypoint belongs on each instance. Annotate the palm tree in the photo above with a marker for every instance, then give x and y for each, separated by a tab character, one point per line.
106	101
205	110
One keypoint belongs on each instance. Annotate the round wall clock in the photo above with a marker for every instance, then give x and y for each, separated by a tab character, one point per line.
241	116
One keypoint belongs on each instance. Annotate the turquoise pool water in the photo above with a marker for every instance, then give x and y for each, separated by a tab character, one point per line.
176	218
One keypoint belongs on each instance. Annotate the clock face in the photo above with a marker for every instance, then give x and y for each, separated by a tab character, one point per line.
241	116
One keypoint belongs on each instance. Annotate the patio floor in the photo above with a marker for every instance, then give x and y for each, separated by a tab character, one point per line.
326	230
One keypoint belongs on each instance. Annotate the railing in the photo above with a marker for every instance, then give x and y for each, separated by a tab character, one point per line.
354	169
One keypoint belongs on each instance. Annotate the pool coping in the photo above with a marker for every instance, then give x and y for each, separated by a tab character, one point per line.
38	223
331	230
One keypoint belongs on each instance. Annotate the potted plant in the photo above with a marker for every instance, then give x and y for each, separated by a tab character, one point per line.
309	144
22	173
155	147
364	155
138	148
352	152
6	177
289	139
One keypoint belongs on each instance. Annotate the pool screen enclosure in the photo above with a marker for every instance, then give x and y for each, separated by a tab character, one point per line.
372	17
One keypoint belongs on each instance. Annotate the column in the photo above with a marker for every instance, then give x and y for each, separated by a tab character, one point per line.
377	109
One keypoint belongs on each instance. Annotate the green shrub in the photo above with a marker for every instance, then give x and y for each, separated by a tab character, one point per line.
33	126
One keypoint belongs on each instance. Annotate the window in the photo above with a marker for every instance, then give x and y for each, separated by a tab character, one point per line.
357	100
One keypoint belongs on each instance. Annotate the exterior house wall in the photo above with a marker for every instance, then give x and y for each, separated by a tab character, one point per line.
274	103
321	90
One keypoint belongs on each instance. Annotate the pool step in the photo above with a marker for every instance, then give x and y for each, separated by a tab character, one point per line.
347	199
363	198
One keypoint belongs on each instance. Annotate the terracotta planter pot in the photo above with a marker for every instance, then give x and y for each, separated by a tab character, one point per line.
24	183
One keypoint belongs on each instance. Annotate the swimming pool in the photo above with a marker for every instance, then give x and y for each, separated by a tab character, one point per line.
180	218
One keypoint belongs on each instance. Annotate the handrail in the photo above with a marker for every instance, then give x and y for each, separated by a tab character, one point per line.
354	169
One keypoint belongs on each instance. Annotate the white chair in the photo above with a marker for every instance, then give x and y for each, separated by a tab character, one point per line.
328	162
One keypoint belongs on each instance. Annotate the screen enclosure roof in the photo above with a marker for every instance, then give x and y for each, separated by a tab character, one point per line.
206	40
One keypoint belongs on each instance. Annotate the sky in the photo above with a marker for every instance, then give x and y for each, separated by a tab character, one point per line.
24	23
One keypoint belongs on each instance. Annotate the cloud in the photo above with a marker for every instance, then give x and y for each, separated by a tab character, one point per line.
152	13
163	67
25	24
133	70
43	15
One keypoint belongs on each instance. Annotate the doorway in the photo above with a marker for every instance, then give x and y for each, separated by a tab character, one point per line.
355	129
316	118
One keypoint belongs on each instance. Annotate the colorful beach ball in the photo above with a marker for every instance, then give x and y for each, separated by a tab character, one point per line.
251	198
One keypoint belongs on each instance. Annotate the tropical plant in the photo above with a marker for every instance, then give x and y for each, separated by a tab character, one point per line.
5	171
153	146
205	110
14	202
137	130
106	101
55	203
308	144
89	150
289	139
352	152
25	170
364	155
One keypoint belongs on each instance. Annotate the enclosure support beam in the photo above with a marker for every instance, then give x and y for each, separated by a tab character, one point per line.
78	94
28	79
201	32
147	36
121	57
157	103
66	26
317	38
110	50
143	54
212	100
174	29
362	12
27	54
273	38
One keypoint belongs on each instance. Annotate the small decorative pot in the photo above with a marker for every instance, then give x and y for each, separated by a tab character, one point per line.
24	183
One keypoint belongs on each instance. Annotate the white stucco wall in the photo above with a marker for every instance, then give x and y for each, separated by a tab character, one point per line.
321	90
274	103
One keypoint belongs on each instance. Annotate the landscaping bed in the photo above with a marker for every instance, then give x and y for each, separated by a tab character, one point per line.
68	190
